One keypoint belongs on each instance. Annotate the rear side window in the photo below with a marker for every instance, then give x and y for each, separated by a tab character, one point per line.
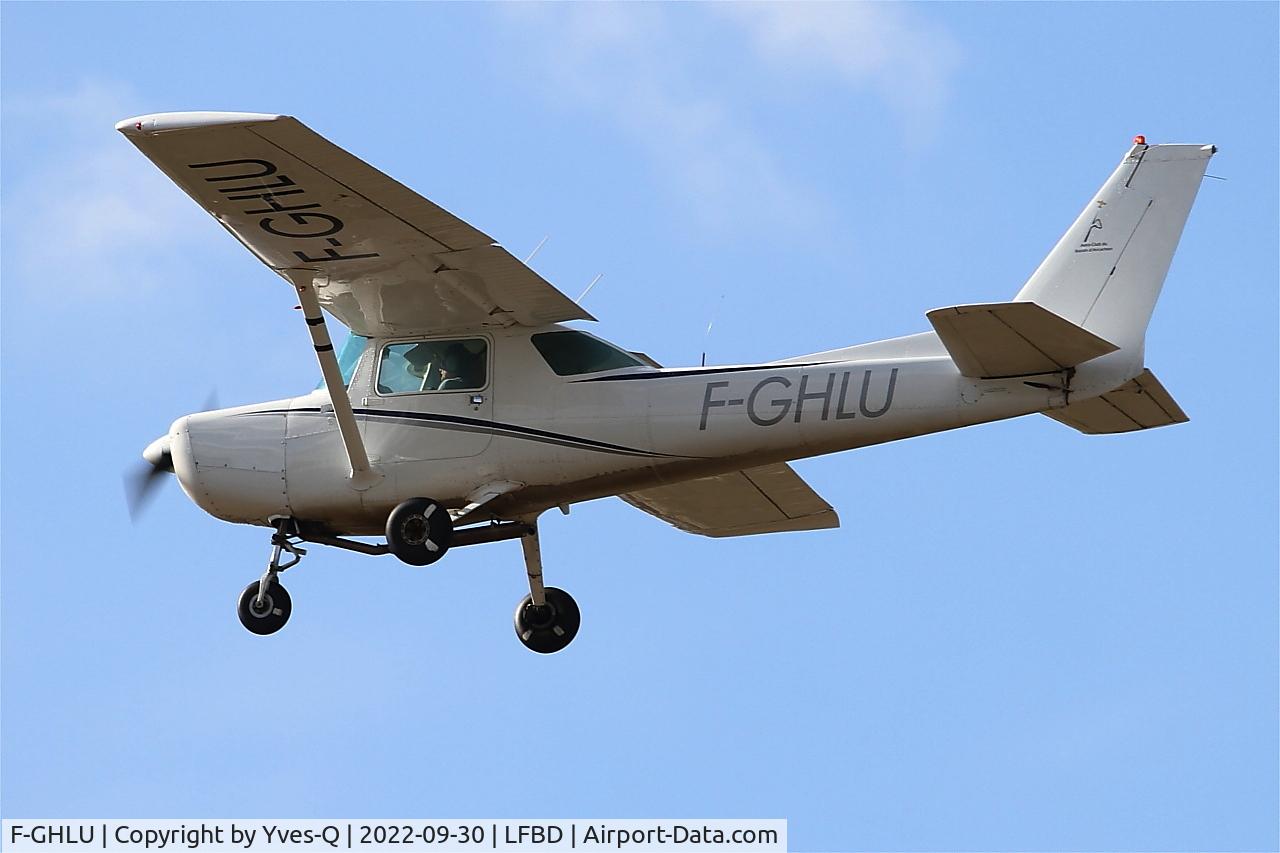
572	353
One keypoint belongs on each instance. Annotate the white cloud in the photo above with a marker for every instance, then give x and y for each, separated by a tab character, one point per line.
618	59
86	214
881	46
625	62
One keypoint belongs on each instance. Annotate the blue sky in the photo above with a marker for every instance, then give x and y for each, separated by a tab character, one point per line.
1021	637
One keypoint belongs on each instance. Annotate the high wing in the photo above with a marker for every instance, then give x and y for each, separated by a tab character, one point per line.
768	499
384	260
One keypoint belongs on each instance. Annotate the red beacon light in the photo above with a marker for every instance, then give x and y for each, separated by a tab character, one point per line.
1139	140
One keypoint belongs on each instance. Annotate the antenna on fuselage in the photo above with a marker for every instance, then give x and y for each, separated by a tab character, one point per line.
583	294
711	323
537	249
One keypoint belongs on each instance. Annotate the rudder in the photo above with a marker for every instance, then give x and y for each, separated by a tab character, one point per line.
1106	272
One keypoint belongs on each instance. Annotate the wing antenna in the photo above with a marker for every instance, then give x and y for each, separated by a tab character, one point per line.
583	294
706	341
537	249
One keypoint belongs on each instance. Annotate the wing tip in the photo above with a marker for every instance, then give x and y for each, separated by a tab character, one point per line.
146	125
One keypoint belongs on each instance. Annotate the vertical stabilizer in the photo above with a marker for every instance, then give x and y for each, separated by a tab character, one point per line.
1106	272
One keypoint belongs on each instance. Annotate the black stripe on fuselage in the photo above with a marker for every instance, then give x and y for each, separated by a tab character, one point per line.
697	371
478	425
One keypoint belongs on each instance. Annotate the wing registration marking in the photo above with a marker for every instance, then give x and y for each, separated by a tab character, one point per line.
298	219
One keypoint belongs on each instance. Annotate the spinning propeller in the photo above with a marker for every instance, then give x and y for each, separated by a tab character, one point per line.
141	481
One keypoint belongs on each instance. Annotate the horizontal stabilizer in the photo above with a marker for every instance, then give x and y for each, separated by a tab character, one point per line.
1013	339
1141	403
768	499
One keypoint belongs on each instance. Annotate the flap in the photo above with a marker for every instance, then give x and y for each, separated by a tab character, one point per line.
385	260
1013	339
769	499
1141	403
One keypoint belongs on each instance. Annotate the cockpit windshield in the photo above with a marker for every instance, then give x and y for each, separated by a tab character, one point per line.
349	357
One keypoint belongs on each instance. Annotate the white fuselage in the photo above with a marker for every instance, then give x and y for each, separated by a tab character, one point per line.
563	439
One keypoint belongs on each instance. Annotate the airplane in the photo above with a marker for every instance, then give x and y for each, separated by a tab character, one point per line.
461	406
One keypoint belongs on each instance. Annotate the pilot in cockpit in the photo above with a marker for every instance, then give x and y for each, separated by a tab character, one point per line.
420	361
448	371
454	368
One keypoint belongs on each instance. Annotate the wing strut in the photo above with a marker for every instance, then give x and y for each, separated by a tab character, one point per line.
362	474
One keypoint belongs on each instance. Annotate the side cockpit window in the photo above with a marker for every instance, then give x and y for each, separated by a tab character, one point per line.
459	364
571	353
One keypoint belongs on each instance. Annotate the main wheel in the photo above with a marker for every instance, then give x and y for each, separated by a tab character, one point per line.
269	616
419	531
552	626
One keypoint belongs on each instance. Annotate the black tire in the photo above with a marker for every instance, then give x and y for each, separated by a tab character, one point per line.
549	628
268	619
419	531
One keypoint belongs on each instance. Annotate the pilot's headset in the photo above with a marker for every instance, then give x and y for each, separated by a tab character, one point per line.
455	360
419	357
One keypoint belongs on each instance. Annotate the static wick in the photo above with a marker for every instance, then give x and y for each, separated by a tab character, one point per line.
583	294
1215	177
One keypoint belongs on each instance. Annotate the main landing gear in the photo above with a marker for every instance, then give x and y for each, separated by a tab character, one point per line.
419	532
547	619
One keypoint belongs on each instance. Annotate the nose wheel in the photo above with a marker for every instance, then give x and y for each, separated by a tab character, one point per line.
265	605
264	614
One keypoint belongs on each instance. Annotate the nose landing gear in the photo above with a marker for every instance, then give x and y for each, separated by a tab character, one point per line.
265	604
